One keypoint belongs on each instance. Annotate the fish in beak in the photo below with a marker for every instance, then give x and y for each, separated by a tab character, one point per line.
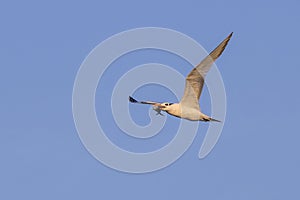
158	109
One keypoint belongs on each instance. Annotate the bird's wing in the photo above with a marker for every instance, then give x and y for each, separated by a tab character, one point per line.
132	100
195	80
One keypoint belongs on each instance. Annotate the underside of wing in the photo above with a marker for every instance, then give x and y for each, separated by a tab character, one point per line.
195	79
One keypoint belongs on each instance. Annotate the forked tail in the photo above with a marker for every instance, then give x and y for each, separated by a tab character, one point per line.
211	120
214	120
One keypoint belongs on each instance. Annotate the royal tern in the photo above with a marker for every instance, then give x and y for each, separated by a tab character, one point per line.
188	108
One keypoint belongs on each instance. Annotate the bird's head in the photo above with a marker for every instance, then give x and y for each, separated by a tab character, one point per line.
165	106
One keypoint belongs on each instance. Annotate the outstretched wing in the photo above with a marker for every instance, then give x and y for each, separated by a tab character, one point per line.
132	100
195	80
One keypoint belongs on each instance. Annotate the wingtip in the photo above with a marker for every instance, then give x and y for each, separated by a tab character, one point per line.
229	36
132	100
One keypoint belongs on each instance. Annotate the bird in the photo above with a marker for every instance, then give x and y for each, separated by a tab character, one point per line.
188	107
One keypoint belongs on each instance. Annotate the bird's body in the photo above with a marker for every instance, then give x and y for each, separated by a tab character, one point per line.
188	108
192	114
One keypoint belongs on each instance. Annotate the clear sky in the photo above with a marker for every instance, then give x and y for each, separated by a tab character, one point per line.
42	47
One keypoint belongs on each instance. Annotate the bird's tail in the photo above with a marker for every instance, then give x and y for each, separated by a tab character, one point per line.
209	119
213	120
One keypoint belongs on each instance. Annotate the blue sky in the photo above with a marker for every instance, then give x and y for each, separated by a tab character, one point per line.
42	47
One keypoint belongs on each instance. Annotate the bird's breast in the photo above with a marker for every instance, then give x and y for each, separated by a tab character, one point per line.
185	112
191	114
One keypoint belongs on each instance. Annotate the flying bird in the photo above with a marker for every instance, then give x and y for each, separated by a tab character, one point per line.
188	108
